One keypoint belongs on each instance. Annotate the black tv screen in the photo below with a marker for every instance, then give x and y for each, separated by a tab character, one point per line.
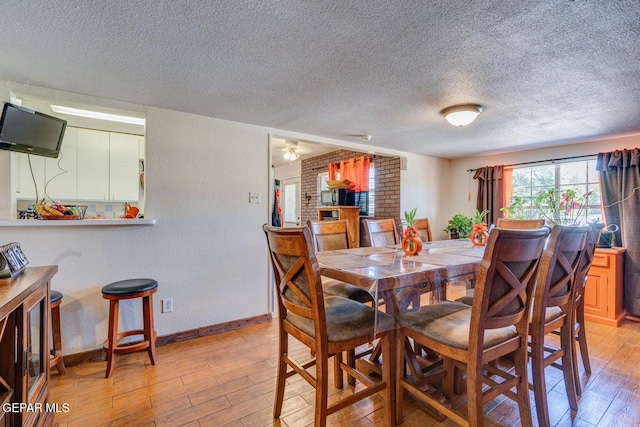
28	131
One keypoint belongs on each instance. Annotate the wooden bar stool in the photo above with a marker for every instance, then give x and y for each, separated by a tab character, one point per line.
129	289
56	338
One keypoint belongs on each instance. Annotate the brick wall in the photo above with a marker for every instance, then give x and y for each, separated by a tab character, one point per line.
387	190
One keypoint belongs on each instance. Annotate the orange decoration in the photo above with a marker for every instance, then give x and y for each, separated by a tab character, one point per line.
411	242
479	235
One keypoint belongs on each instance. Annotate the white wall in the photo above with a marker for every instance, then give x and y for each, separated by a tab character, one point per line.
423	185
462	181
207	250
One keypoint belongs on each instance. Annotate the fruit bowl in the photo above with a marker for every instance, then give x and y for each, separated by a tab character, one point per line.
69	212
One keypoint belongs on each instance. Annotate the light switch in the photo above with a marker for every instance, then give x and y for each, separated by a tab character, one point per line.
254	198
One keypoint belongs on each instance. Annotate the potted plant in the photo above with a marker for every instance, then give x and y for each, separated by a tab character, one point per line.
459	226
515	210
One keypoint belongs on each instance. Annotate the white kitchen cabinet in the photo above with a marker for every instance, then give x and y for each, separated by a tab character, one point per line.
124	170
93	165
26	188
45	169
62	173
99	165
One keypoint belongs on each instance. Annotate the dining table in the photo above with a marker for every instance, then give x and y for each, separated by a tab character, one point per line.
399	281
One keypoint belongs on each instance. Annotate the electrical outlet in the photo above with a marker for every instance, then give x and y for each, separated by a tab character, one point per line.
167	305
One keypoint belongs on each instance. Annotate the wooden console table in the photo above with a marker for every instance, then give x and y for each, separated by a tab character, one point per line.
24	348
603	290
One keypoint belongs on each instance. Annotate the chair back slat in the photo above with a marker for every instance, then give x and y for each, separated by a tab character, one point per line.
506	278
558	266
519	223
587	259
330	235
295	269
422	225
382	232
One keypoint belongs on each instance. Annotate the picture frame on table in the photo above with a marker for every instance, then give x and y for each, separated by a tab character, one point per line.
11	254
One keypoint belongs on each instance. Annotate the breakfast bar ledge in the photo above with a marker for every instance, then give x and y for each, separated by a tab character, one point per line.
76	223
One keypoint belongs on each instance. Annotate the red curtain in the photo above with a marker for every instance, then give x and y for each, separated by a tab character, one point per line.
355	170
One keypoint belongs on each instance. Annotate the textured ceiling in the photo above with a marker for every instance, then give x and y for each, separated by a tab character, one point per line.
546	72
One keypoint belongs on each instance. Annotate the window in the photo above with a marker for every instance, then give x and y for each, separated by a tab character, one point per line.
367	203
528	182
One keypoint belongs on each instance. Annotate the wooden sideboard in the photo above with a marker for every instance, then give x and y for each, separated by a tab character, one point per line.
603	290
349	213
24	348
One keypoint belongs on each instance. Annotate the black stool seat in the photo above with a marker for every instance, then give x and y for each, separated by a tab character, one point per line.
129	287
55	296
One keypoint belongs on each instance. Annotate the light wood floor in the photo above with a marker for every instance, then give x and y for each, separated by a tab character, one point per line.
229	379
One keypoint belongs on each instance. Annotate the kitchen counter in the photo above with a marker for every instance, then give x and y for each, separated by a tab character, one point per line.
76	223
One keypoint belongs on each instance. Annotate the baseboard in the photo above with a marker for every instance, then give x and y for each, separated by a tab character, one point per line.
98	354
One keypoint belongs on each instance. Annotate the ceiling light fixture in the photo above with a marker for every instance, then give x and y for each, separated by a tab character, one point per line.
461	115
291	155
97	115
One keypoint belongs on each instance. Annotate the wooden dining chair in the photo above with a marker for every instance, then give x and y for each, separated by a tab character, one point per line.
470	338
381	232
331	236
328	325
519	223
422	225
553	309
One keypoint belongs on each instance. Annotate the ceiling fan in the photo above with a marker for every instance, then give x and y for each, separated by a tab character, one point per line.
292	150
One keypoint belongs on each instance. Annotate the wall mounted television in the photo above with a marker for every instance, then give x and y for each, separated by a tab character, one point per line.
28	131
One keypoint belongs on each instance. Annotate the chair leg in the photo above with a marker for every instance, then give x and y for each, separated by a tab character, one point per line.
474	394
338	378
522	389
401	372
282	373
538	380
582	338
113	337
567	341
57	340
389	376
149	328
322	394
351	361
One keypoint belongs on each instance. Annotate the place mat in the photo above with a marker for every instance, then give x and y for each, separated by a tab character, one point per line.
342	261
444	258
368	250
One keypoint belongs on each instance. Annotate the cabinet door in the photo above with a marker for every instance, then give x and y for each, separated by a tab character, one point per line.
124	170
595	292
26	189
93	164
62	173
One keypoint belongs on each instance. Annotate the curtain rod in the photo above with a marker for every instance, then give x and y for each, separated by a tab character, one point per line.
543	161
373	157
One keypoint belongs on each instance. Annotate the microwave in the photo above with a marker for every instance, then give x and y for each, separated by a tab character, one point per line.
339	197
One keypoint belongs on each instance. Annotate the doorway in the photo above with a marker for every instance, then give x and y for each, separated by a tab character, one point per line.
291	205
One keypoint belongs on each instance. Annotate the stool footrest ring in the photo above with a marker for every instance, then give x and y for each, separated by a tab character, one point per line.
129	347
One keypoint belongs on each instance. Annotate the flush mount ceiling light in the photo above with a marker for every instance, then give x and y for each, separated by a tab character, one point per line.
97	115
461	115
291	155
